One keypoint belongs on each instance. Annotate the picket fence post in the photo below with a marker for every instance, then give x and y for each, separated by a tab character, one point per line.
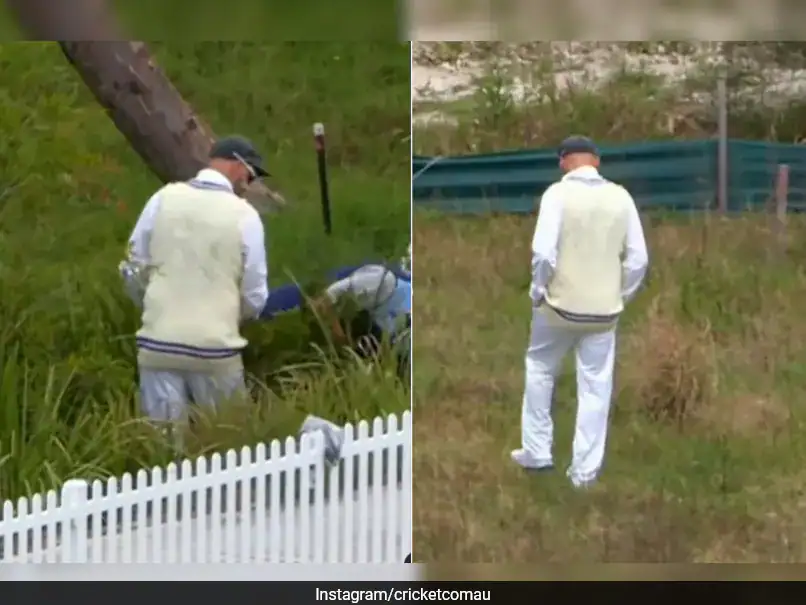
74	520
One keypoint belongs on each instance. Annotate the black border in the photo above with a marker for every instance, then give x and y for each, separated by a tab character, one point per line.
197	593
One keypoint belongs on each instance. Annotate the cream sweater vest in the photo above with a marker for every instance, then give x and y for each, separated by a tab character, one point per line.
586	286
192	303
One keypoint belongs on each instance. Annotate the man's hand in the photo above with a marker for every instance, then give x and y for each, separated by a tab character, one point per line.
135	280
323	309
339	337
537	295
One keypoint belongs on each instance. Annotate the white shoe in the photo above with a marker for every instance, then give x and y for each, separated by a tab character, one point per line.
581	483
525	459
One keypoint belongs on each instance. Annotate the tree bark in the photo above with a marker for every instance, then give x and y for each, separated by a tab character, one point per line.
146	108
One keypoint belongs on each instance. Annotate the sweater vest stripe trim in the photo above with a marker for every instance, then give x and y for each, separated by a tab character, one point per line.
583	318
174	348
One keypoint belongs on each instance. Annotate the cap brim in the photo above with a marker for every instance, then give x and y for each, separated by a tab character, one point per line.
260	171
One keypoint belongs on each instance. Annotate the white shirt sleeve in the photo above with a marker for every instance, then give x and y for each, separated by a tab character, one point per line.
254	283
141	234
545	243
636	257
134	269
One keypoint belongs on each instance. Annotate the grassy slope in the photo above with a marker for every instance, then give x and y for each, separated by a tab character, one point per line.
707	448
71	194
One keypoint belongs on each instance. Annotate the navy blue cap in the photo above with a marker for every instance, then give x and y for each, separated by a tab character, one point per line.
239	149
577	144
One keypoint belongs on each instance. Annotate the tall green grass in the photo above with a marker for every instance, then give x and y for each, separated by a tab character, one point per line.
72	191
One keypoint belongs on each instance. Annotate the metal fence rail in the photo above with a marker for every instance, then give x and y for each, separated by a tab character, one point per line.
665	176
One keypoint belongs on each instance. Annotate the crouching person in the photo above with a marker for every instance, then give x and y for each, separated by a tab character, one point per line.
385	296
197	266
381	292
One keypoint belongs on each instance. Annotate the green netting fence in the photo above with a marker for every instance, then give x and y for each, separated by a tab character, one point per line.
671	176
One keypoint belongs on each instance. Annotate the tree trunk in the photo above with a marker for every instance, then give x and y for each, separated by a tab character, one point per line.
146	108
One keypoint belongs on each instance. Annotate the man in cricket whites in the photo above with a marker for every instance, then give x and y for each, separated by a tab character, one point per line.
197	267
589	258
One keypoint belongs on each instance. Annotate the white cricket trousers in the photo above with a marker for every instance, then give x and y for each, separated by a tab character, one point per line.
549	342
166	394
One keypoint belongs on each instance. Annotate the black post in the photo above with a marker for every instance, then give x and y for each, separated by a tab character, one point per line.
321	162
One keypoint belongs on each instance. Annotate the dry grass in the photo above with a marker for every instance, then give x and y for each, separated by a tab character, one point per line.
707	448
707	445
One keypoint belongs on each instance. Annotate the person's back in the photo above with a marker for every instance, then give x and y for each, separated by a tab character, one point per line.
587	279
379	291
385	295
193	297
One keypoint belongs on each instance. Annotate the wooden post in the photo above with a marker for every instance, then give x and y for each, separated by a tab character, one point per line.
781	201
722	144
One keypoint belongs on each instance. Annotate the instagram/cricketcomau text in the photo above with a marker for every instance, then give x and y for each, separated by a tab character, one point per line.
397	594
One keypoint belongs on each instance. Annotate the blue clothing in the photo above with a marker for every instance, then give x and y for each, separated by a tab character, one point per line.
389	313
282	299
289	297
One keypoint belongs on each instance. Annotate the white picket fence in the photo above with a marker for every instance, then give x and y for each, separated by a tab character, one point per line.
281	503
